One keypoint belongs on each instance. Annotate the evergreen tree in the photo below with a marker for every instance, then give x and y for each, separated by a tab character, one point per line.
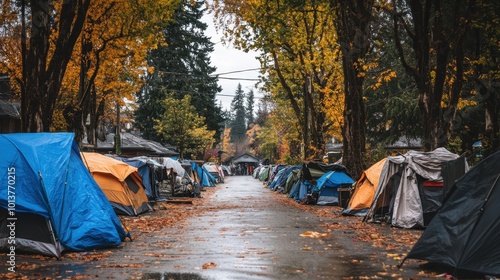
390	96
238	126
250	103
181	66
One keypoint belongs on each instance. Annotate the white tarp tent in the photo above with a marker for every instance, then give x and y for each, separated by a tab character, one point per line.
172	163
400	196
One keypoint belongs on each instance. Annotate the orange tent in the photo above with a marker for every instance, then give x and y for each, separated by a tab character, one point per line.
364	190
120	182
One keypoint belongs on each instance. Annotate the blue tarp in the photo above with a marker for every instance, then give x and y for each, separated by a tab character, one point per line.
282	176
52	181
333	179
206	179
327	186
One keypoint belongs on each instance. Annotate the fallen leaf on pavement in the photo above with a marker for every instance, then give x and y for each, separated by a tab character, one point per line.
209	265
314	234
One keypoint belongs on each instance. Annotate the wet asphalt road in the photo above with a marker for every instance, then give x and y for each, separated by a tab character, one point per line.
242	233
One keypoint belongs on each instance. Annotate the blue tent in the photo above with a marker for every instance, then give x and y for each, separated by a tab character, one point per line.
205	178
327	186
57	203
280	179
300	190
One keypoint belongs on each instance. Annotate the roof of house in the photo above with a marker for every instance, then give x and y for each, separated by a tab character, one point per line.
246	157
132	144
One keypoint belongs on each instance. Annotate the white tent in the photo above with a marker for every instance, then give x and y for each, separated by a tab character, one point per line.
172	163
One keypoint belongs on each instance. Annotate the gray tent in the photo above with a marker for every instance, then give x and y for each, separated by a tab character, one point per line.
410	188
465	233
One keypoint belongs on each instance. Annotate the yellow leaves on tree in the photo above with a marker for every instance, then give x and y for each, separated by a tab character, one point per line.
278	138
106	60
111	54
299	54
226	144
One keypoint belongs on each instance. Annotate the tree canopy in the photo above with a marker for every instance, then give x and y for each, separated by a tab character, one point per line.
182	66
364	72
182	127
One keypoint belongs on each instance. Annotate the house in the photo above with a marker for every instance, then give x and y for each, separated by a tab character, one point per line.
245	163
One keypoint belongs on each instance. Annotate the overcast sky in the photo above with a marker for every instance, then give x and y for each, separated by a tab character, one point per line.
230	60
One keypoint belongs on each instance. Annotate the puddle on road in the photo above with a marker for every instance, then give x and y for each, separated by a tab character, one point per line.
172	276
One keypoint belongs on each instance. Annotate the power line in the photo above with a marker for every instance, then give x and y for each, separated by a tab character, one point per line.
239	79
233	95
237	71
218	75
195	92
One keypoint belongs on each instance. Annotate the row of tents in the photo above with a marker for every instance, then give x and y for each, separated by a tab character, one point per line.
404	190
309	183
436	191
61	199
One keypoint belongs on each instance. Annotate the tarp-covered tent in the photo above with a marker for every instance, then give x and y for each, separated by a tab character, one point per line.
410	188
120	182
328	184
215	172
364	190
273	172
465	233
202	176
279	182
172	164
292	178
148	170
314	169
264	173
57	203
309	173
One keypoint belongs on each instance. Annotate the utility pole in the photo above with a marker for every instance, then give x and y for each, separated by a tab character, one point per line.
118	144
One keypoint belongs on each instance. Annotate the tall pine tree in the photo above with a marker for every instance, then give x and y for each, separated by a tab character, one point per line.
238	120
182	66
249	108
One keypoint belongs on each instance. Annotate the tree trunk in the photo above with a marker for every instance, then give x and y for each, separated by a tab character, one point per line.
118	143
307	119
491	140
35	71
43	77
434	43
353	28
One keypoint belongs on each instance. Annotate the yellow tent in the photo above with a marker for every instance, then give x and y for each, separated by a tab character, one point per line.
364	190
120	182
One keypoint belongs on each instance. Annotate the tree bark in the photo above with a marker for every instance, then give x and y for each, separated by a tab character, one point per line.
434	42
353	28
44	72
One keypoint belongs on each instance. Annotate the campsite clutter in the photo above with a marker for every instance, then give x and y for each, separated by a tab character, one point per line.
404	191
75	202
434	191
411	187
77	199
